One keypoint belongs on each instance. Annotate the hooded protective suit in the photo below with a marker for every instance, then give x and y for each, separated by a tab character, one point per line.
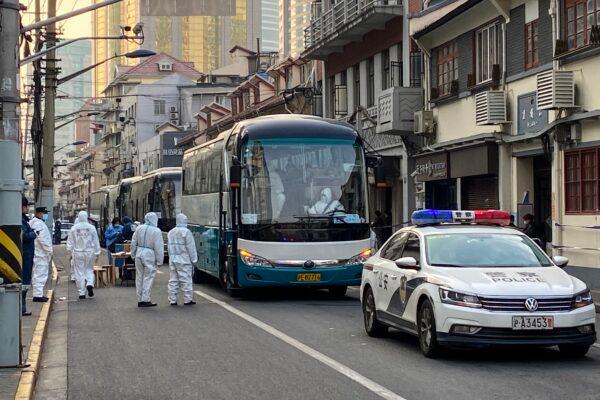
326	204
84	246
147	249
182	255
42	256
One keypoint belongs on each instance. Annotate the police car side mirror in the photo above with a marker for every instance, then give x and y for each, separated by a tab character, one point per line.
407	263
560	261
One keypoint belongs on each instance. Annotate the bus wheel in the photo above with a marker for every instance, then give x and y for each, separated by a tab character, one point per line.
198	276
338	291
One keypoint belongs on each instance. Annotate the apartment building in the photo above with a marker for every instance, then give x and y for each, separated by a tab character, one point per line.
371	77
139	100
201	39
510	118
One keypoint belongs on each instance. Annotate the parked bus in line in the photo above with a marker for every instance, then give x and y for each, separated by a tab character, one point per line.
279	201
158	191
99	208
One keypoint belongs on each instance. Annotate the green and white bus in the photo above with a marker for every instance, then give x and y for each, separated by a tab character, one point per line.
279	201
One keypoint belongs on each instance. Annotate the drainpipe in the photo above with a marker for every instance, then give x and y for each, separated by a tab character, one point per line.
557	184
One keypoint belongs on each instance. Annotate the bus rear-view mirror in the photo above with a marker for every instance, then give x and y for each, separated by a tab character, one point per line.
235	176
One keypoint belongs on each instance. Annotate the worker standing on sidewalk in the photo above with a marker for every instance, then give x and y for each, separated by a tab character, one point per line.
84	246
28	252
42	255
182	256
147	249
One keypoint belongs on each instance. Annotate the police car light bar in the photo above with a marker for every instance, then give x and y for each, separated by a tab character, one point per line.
433	217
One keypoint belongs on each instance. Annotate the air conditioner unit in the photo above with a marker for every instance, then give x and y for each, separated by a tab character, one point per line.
173	109
490	107
423	122
174	115
173	121
555	89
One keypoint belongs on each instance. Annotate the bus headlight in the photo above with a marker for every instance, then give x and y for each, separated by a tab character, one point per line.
253	260
360	258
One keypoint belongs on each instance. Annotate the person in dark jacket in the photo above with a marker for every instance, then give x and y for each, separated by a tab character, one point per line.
28	250
57	231
127	230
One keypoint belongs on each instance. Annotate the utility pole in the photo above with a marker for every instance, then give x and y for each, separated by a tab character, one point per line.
11	183
47	194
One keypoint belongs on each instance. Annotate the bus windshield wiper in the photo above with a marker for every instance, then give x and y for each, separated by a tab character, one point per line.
308	217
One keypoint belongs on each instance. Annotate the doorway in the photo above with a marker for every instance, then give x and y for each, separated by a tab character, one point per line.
542	189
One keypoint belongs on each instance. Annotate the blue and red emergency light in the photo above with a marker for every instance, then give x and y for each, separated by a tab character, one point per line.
432	217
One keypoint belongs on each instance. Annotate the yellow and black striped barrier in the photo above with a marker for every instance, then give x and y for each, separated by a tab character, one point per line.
11	257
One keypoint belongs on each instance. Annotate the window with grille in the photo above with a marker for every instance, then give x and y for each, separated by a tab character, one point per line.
531	45
385	69
356	93
447	65
582	181
488	51
370	82
160	107
581	16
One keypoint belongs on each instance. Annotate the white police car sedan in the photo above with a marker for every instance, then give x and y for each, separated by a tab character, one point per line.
460	279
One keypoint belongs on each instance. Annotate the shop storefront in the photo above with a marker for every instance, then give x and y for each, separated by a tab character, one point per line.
463	178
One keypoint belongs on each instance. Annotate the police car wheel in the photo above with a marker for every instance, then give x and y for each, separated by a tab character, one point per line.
373	327
427	331
573	350
338	292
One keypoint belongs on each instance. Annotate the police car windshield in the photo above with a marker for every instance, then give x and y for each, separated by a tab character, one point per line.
483	250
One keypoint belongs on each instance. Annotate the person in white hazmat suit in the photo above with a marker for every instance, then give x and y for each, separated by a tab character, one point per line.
84	246
147	249
43	254
182	256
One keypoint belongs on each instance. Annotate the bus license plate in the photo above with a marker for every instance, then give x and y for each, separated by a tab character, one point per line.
312	277
532	323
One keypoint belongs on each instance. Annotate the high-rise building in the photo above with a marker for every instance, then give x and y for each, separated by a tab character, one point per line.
294	17
203	40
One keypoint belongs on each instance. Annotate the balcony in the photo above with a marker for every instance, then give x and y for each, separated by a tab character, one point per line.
347	21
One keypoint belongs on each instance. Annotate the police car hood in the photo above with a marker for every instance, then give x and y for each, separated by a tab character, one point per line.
539	281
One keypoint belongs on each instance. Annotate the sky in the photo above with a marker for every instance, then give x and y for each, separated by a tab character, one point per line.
73	27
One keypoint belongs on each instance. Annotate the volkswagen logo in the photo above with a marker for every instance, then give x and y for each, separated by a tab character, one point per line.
309	264
531	304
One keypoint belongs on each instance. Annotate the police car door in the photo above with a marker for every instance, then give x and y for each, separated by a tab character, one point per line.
405	280
385	271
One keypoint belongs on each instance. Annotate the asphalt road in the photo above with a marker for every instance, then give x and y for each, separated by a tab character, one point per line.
211	351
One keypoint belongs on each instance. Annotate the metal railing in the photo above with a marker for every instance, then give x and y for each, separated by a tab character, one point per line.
339	15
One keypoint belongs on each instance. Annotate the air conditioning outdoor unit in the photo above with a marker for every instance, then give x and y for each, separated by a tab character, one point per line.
555	89
173	121
490	107
423	122
173	109
174	115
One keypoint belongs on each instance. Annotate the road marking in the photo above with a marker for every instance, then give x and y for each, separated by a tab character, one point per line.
317	355
596	345
158	271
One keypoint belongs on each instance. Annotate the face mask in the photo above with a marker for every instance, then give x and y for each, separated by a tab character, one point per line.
45	217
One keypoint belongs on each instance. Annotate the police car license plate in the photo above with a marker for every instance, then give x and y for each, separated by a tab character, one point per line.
532	323
308	277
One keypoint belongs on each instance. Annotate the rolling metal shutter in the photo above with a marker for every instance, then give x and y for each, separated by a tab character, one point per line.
479	193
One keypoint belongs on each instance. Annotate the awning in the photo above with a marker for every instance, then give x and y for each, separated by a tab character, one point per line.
582	116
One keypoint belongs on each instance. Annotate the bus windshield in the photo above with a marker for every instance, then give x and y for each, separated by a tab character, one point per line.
289	180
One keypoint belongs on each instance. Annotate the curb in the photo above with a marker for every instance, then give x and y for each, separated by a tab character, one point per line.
28	377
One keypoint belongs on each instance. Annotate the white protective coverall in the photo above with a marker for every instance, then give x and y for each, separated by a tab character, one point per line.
42	256
182	256
147	249
84	246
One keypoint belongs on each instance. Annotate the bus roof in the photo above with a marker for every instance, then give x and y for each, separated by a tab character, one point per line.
104	189
295	125
161	171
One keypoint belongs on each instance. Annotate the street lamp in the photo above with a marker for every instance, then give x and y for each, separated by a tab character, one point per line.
75	143
139	53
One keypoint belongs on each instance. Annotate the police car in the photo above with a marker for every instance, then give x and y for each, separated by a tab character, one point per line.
462	278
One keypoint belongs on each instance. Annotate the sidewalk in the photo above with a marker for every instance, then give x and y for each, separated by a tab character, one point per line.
9	377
